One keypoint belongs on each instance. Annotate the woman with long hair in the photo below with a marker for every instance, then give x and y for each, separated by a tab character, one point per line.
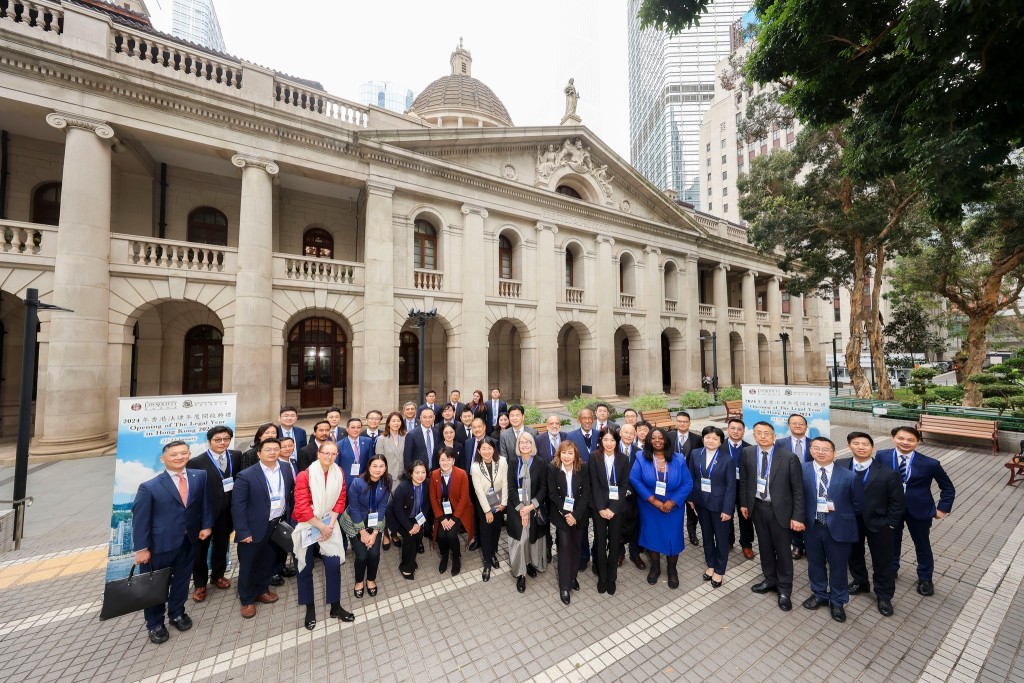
267	430
569	503
365	521
410	515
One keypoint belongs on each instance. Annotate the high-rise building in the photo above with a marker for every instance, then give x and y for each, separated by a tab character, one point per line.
387	96
193	20
671	85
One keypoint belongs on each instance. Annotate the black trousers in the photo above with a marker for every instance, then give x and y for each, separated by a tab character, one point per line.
569	540
367	559
219	539
608	542
692	519
448	541
715	533
746	527
489	535
881	544
774	541
410	543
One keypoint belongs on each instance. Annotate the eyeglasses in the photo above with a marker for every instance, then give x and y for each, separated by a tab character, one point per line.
333	454
221	439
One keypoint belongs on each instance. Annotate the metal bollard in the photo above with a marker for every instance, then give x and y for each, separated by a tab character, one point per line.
19	517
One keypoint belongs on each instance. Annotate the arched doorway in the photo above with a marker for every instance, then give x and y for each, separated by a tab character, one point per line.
505	359
204	361
574	342
666	364
435	359
627	350
317	361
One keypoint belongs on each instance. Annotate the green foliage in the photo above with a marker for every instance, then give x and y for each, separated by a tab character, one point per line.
729	394
694	399
914	327
672	16
578	403
532	415
921	384
649	402
949	396
1002	384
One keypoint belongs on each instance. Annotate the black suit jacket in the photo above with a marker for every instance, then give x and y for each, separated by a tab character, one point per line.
883	499
460	433
785	484
558	490
250	505
416	447
599	483
403	502
306	456
539	483
465	460
220	502
691	443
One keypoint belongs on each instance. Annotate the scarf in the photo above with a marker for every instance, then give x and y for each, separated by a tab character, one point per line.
325	495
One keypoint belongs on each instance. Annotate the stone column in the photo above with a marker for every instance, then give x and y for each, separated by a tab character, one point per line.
796	314
690	297
549	284
720	287
773	299
607	295
374	357
78	372
654	302
252	362
474	306
751	353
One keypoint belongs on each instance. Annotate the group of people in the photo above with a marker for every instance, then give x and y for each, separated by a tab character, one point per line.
436	472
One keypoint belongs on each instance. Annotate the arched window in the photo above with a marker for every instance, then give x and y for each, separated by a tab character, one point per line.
207	225
425	249
408	359
568	192
570	273
204	361
505	258
46	204
318	243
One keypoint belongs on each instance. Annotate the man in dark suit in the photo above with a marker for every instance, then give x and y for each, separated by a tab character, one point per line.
495	407
831	505
685	442
286	426
354	451
421	443
734	442
917	472
448	417
455	399
431	402
509	437
469	450
306	456
548	442
880	514
409	413
797	443
221	465
772	494
584	436
170	515
464	430
373	430
603	418
263	497
333	416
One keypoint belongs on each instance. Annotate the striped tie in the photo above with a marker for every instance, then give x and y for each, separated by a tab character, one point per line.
903	468
822	493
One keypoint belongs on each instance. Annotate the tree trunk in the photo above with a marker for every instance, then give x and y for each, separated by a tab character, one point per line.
876	342
861	385
976	348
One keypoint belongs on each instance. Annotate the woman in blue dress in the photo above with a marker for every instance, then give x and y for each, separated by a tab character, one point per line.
662	485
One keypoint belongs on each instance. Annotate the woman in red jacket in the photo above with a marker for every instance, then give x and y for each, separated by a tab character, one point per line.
453	509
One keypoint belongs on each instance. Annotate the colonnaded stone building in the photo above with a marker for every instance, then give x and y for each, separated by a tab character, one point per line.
218	226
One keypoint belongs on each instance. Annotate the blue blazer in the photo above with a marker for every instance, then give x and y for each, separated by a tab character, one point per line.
786	444
842	523
492	416
416	447
543	443
723	482
250	502
160	521
298	433
576	436
357	505
346	457
920	504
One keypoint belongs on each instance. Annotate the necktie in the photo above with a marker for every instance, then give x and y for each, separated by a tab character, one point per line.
355	450
859	467
222	461
586	437
429	441
799	449
903	468
764	473
822	493
183	488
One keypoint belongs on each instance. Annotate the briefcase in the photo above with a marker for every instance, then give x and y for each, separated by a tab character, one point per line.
135	593
281	536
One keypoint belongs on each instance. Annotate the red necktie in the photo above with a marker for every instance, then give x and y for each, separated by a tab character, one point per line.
183	489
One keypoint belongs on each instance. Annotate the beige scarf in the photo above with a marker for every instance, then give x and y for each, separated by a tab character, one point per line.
325	495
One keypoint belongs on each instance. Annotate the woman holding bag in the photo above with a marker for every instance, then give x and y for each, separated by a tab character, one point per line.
489	474
527	524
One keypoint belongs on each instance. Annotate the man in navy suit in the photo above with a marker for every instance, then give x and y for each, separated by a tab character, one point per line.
421	443
585	437
262	498
798	444
409	413
684	442
373	430
431	402
354	451
831	504
549	440
495	407
170	514
917	472
454	398
734	432
333	417
286	426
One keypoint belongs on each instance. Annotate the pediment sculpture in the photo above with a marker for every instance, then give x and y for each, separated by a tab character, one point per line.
573	154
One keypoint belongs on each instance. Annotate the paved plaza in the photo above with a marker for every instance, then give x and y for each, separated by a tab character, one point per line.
462	629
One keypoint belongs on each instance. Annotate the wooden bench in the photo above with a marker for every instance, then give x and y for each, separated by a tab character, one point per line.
659	418
540	427
734	409
1016	467
960	426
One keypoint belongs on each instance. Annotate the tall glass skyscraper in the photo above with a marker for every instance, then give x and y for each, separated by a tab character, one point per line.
671	85
192	20
386	96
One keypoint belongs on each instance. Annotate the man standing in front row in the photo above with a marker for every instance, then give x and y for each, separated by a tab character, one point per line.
221	464
772	494
171	513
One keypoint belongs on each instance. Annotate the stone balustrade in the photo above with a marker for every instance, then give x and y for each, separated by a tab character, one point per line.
737	233
670	305
33	14
138	48
787	319
573	295
762	316
172	256
509	289
705	310
29	239
627	301
430	280
319	270
735	313
290	94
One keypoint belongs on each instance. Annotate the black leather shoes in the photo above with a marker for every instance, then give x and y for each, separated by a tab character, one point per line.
487	574
857	588
420	549
276	580
925	587
575	585
762	588
531	571
885	608
494	562
182	623
639	563
288	572
158	635
706	576
654	575
798	553
473	545
785	604
611	589
694	542
814	603
838	613
443	565
456	566
521	584
339	612
310	621
565	597
583	565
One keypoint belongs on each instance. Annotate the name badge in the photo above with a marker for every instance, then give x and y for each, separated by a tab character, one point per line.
522	494
372	520
660	488
737	474
569	502
446	505
420	519
762	485
705	485
229	484
354	470
613	493
825	505
492	498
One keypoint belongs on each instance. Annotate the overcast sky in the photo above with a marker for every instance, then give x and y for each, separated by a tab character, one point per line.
525	51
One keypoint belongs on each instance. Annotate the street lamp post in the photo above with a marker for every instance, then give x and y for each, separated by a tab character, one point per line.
714	363
835	363
784	337
421	317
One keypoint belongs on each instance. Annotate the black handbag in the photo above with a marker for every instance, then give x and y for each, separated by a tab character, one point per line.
135	593
281	536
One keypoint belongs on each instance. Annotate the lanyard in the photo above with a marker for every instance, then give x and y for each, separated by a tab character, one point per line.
612	481
771	454
709	468
519	472
373	496
864	478
417	499
735	451
214	461
896	466
489	472
280	481
657	473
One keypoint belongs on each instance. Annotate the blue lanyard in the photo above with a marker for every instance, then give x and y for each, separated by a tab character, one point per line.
214	461
771	454
612	481
864	477
710	468
373	497
418	504
657	474
280	479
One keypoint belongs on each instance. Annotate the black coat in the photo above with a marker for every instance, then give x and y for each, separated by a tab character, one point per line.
883	500
399	514
539	480
220	501
599	483
558	491
785	484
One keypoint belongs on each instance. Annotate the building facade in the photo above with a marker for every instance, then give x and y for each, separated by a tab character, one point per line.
218	226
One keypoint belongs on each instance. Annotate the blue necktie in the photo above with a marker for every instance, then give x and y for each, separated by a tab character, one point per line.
822	493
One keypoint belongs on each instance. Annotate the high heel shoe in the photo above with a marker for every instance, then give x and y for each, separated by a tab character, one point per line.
310	617
716	583
372	592
358	592
706	576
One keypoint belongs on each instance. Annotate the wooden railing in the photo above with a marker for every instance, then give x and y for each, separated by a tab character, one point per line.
509	289
430	280
573	295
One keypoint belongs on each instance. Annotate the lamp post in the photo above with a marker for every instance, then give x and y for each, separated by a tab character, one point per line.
835	364
784	338
714	363
421	317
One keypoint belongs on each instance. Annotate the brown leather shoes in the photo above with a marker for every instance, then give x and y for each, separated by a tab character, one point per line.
199	594
748	553
639	563
267	598
248	611
222	583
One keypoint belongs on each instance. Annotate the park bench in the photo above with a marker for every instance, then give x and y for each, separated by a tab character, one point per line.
960	426
659	418
733	409
539	427
1016	466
